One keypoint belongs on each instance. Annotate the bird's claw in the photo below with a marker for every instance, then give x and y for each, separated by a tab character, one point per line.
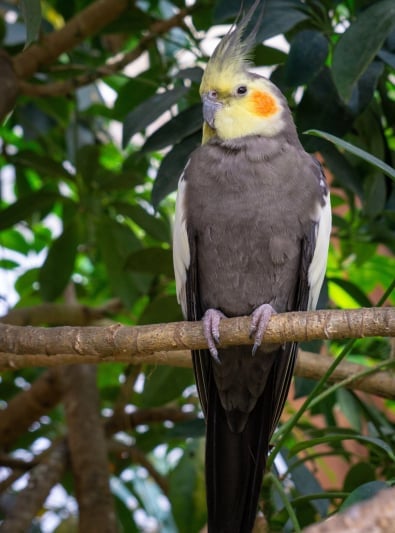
259	322
211	320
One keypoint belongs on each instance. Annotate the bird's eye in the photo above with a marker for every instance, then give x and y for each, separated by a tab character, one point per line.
241	90
213	94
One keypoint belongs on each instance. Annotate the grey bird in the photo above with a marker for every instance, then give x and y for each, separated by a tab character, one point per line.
251	237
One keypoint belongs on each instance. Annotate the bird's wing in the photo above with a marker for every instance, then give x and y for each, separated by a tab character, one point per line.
187	285
181	249
322	230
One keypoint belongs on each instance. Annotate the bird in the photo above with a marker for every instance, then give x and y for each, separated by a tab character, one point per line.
251	235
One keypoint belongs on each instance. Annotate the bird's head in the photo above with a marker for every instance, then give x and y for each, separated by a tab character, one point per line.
236	102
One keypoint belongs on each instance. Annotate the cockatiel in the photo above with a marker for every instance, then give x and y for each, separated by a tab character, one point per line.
251	237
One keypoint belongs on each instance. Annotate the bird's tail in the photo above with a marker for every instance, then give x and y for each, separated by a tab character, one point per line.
235	463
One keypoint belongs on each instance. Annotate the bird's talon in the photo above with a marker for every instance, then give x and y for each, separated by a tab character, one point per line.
211	320
259	321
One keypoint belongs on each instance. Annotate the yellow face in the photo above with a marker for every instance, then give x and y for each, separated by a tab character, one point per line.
240	106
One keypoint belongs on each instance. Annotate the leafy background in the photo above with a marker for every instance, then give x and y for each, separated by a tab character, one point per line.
87	197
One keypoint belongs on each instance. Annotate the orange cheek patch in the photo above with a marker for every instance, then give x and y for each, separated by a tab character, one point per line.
263	104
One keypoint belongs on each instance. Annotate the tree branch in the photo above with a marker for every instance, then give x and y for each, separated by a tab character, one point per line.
28	406
136	345
128	341
376	514
88	449
55	314
42	478
64	87
86	23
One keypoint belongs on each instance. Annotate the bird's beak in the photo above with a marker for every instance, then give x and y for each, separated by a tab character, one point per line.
210	108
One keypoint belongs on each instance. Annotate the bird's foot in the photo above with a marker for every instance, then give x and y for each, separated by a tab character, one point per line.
211	320
259	321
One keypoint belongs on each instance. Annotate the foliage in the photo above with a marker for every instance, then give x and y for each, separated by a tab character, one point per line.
86	202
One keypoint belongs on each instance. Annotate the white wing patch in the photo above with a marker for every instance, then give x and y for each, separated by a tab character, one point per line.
181	252
318	264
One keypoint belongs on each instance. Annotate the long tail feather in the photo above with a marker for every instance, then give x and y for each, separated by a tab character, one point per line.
235	463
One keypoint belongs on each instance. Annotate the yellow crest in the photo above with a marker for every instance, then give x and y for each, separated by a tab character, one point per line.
231	55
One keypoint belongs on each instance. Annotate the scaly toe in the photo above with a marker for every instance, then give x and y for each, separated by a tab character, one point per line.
259	321
211	320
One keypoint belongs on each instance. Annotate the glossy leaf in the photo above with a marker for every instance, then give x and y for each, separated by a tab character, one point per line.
363	493
59	264
26	206
371	159
164	384
359	474
350	59
307	55
152	260
184	124
155	226
187	489
353	290
161	309
280	15
149	110
32	15
171	168
115	242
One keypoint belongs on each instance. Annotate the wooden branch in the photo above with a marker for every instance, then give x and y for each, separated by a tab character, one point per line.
132	346
375	515
27	406
56	314
29	501
128	341
88	22
88	449
64	87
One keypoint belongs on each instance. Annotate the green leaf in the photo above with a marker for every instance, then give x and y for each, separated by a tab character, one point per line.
154	226
187	489
149	110
340	436
32	15
45	166
266	55
363	91
14	240
280	15
123	499
8	264
26	206
164	384
360	43
115	242
161	309
153	260
350	407
321	108
353	290
307	55
369	158
171	168
362	493
185	123
59	264
358	475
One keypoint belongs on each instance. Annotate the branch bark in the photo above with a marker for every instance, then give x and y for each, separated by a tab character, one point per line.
88	450
68	86
55	314
86	23
375	515
28	502
28	406
131	341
